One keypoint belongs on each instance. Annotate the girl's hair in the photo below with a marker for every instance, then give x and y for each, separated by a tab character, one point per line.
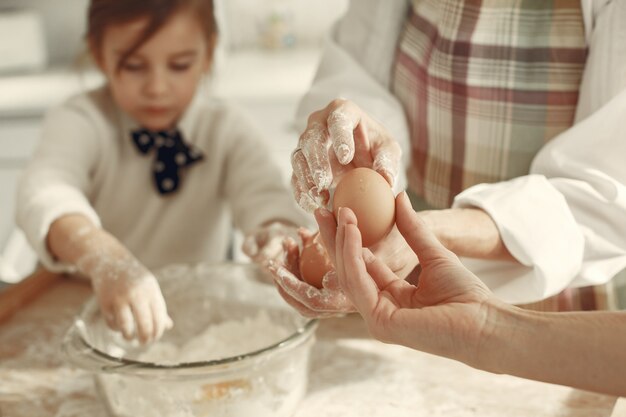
105	13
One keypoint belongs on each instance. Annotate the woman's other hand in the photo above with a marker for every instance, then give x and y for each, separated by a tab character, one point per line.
356	141
308	300
446	313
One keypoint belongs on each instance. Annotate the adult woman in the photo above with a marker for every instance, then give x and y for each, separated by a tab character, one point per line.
483	88
453	314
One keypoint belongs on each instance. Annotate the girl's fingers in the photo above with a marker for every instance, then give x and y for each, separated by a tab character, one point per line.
143	318
125	321
162	320
387	159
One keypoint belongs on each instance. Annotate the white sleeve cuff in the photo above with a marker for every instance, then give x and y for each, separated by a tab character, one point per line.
537	228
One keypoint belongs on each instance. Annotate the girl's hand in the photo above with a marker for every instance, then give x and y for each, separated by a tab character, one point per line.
356	140
266	243
129	296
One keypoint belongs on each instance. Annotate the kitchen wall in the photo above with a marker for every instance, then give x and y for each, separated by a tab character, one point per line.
243	23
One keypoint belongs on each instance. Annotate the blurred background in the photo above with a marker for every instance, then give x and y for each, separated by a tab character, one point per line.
265	61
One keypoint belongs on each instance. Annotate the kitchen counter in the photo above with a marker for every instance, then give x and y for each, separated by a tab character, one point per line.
351	374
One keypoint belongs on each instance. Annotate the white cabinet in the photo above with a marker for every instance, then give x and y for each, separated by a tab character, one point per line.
18	138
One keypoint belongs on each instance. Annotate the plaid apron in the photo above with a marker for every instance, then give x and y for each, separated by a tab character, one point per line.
485	84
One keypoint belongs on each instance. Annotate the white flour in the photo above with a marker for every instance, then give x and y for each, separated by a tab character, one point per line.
223	340
269	388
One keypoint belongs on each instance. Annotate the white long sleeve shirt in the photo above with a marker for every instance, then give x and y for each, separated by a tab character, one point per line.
565	222
86	163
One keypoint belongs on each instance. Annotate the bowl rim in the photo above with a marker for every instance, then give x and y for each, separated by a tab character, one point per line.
75	343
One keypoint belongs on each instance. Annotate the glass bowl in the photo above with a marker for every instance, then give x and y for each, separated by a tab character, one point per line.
236	349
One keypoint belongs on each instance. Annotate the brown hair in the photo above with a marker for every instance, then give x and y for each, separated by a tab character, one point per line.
104	13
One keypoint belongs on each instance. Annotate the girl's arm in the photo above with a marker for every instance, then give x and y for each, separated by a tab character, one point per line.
129	295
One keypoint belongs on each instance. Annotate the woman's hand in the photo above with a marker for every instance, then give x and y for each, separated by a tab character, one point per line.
446	313
356	140
311	302
330	299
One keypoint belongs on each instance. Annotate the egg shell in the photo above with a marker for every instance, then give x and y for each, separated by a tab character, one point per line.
369	196
314	262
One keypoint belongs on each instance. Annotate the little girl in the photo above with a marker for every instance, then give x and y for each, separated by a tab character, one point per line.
145	171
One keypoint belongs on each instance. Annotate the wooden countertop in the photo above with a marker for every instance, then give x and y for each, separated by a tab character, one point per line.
351	374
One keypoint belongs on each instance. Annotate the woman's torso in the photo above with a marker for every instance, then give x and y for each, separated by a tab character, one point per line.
484	85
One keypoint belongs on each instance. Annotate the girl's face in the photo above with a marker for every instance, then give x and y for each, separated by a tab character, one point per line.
157	82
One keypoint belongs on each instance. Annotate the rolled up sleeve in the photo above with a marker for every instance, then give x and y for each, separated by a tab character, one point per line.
566	221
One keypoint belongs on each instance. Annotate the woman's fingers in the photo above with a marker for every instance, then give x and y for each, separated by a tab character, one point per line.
292	256
343	118
304	189
302	194
314	147
380	273
387	159
356	282
306	298
419	237
355	139
328	230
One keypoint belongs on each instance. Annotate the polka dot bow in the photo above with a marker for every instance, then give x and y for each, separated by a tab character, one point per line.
172	154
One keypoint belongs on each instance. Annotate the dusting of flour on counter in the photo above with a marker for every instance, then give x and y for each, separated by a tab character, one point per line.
227	339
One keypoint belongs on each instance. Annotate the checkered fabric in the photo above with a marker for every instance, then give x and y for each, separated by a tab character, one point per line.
485	84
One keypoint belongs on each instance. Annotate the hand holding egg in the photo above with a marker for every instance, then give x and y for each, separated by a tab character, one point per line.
316	296
369	196
355	140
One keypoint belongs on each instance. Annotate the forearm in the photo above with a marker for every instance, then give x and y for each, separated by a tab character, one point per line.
585	350
467	232
75	239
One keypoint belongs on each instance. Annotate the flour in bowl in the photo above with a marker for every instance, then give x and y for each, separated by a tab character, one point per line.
227	339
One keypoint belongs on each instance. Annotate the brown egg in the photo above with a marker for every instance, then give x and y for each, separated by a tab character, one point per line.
314	262
369	195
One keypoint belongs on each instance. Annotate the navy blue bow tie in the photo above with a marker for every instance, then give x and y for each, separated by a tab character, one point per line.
172	154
